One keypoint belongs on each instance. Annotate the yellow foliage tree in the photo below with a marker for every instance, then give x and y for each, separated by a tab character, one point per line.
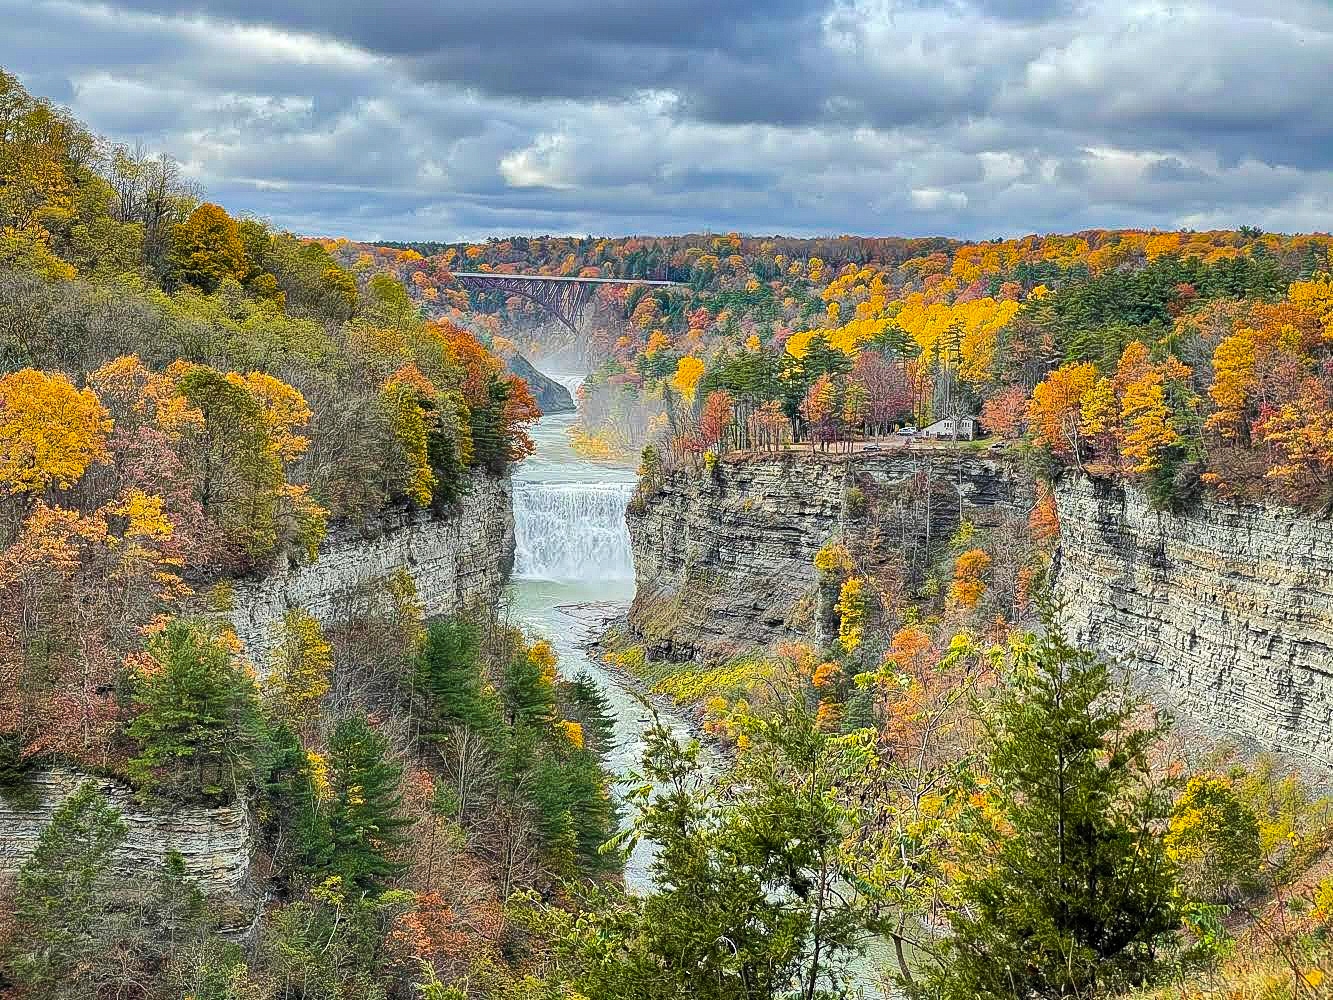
207	249
304	662
50	431
284	411
573	732
542	654
29	249
851	609
689	370
410	417
1234	382
1147	421
833	557
1315	296
968	569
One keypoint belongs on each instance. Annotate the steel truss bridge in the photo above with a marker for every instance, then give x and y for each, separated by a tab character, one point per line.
563	298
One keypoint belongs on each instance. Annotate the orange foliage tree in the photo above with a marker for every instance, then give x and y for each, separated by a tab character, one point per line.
1055	411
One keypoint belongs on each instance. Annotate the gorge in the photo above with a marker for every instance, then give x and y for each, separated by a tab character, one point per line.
552	547
705	565
1223	614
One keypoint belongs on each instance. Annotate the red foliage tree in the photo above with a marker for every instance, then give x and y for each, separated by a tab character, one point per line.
715	417
1003	414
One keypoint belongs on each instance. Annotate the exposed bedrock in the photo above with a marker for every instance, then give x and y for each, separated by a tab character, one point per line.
1225	613
458	561
549	395
216	844
724	559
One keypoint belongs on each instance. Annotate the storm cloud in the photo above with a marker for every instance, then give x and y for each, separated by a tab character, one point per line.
971	118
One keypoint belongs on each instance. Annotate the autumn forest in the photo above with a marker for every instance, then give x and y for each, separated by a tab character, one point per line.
917	783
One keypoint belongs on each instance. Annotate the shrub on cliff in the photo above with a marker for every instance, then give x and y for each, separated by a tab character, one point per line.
1214	837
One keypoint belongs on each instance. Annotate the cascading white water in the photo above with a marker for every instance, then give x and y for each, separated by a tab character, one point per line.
572	531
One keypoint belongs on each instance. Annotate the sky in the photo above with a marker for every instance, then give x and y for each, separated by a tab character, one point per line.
430	120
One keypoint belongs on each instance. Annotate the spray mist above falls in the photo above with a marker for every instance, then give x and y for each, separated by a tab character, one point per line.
572	531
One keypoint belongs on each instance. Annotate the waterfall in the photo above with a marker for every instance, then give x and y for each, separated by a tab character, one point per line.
572	531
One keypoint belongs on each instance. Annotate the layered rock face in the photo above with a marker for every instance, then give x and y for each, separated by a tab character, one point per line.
215	844
1227	611
457	562
725	559
549	395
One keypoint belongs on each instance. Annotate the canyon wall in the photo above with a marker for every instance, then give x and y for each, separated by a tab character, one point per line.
549	395
1225	613
723	559
456	562
215	844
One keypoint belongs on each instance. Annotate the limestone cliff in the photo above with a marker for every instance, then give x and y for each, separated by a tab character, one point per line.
216	844
549	395
724	559
1226	611
458	561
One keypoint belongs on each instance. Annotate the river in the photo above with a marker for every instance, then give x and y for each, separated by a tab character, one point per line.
573	569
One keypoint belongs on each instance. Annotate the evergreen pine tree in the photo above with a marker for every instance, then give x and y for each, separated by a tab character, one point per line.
594	813
591	709
527	693
364	816
61	929
293	797
448	677
446	462
860	710
491	450
1071	892
199	729
544	781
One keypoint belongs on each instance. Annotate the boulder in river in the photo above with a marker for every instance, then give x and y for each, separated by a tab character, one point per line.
551	396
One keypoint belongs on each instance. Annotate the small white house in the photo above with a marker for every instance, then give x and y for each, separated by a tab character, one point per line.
958	428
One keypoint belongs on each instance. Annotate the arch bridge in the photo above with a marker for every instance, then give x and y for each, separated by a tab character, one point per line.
563	297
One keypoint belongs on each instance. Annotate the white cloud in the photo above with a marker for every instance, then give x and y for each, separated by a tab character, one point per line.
965	117
934	199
